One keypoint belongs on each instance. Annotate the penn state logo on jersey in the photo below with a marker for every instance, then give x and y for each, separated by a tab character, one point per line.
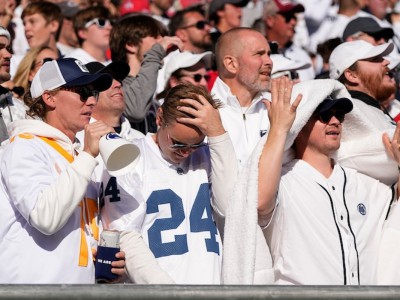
362	209
113	136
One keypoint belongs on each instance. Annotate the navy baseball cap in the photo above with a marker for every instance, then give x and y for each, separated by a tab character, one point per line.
343	104
66	72
117	69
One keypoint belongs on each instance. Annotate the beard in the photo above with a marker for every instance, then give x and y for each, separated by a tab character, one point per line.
204	44
377	86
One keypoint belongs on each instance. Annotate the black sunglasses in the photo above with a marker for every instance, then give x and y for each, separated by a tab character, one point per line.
41	62
199	25
274	46
326	116
197	77
83	91
288	16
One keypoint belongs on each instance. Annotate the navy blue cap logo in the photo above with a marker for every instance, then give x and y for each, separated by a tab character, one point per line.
113	136
362	209
263	132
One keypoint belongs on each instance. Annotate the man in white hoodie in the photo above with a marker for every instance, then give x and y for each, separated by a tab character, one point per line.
47	224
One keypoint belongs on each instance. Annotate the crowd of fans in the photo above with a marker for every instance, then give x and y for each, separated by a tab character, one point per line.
268	134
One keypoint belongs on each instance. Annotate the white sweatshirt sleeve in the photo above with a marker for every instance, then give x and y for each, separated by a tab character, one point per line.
224	171
140	263
46	201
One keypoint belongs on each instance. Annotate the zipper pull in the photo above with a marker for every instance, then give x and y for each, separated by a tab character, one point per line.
244	117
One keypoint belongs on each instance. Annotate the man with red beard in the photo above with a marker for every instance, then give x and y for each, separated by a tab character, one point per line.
364	71
244	67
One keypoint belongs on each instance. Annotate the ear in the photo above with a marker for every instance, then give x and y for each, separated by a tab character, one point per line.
231	64
83	34
182	34
221	12
173	81
269	21
30	76
159	117
351	76
131	49
49	99
54	25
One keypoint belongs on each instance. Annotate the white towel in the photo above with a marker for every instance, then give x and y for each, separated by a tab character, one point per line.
246	258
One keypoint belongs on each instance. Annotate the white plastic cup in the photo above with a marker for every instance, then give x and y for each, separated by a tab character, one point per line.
119	155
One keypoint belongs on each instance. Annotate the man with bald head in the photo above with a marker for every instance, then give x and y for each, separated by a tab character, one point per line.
244	67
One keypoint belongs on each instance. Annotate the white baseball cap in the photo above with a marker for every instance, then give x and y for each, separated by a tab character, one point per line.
282	63
346	54
66	72
181	60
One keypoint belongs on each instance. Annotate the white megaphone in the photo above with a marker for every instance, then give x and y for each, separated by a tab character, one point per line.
119	155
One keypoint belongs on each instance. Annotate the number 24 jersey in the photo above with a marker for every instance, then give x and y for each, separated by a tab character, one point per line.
170	206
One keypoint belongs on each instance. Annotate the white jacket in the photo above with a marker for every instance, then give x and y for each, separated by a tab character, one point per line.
246	126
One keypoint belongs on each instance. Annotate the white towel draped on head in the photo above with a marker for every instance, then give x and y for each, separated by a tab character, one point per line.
246	258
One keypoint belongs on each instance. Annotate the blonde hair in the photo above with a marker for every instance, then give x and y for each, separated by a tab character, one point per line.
26	65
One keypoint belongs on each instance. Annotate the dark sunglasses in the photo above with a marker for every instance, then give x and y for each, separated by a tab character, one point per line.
274	46
83	91
41	62
288	16
100	23
326	116
199	25
197	77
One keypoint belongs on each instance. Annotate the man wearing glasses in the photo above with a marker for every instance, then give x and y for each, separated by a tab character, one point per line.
92	26
167	205
280	18
192	28
322	222
48	223
184	67
328	220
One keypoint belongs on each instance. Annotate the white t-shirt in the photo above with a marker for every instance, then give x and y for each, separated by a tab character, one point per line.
326	231
170	206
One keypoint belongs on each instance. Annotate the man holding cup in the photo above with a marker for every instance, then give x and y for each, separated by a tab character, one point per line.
48	225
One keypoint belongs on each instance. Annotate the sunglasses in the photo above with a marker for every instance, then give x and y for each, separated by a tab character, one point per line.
326	116
292	75
41	62
289	16
199	25
197	77
184	147
83	91
100	23
274	46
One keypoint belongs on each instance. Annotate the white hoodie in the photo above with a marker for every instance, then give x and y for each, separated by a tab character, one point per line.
41	210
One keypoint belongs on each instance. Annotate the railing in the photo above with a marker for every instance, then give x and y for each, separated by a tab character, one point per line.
127	291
